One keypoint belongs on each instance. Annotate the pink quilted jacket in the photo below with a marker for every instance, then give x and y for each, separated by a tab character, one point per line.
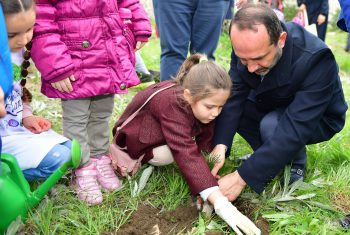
87	39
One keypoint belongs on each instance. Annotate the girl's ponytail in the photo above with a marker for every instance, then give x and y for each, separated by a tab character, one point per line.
187	65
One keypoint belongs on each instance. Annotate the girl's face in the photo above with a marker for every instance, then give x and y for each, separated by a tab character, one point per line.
20	28
207	109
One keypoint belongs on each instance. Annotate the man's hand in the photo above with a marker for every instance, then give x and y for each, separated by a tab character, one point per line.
231	185
64	85
139	45
218	154
235	219
36	124
321	19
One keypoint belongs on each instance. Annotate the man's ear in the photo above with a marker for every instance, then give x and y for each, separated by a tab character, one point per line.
282	39
188	96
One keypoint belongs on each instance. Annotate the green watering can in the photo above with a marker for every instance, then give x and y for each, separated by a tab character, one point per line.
16	199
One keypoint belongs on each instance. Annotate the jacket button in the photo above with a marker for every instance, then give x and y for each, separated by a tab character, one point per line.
259	100
122	86
85	44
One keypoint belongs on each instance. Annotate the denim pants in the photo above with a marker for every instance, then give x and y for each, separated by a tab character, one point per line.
184	26
57	156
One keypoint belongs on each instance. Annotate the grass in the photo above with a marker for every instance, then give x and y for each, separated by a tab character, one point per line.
306	208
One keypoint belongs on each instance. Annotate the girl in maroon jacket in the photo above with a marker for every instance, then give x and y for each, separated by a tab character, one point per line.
177	124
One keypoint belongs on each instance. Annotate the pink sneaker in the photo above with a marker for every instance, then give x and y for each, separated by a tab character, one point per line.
86	186
105	173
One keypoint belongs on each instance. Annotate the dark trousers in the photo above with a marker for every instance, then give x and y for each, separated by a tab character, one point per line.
322	30
257	127
187	25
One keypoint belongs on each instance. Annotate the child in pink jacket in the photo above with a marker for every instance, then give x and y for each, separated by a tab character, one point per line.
84	51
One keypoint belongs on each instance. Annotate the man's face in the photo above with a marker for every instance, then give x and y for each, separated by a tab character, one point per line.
255	49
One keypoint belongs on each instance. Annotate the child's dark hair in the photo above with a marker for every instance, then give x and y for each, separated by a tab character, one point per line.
202	77
16	6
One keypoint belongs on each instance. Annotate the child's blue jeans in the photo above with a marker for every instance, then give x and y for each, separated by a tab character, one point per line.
58	155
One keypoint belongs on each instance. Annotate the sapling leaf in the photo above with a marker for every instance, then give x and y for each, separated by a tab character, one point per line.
320	182
15	226
322	206
144	178
276	217
214	225
201	225
211	159
286	179
306	196
134	191
285	199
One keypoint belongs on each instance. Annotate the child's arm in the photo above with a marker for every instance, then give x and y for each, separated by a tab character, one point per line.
141	24
34	123
176	126
50	54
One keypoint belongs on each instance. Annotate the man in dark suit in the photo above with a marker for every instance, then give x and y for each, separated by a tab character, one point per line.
286	94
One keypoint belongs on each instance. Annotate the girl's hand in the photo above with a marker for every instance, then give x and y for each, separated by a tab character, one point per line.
36	124
64	85
218	155
229	213
321	19
240	223
139	45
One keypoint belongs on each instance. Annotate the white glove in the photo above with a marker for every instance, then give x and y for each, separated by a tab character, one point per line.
235	219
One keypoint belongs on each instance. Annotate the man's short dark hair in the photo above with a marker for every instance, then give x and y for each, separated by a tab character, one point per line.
251	15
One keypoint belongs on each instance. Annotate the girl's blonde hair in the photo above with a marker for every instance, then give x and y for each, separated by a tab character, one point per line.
202	77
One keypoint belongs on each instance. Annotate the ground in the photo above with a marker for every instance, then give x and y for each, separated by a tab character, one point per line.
148	220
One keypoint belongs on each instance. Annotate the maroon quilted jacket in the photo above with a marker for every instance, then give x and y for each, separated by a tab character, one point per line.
168	120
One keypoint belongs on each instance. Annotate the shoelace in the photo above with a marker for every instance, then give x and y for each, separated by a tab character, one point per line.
105	170
87	183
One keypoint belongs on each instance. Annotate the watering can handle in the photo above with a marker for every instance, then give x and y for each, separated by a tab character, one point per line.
16	172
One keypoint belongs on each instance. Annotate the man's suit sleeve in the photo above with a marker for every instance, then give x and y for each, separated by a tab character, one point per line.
227	122
296	125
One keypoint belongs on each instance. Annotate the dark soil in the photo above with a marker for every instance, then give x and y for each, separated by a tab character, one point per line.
151	221
147	220
248	208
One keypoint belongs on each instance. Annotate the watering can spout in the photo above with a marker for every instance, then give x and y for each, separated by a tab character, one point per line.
43	189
